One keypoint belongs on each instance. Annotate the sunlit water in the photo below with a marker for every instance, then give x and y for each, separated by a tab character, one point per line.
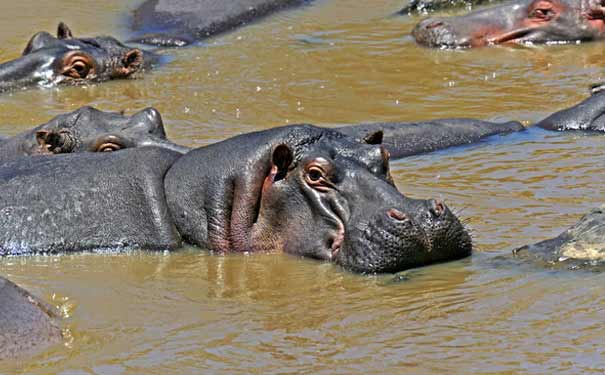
331	63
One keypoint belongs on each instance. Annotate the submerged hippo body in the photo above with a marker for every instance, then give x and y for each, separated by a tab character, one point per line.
298	189
88	129
50	61
181	22
27	324
518	21
412	138
581	244
428	6
588	115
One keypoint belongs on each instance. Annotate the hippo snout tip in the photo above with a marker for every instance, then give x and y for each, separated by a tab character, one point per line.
437	32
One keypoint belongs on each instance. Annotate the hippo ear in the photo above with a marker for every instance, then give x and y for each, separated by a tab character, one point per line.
64	32
48	140
597	87
282	159
132	61
39	40
374	138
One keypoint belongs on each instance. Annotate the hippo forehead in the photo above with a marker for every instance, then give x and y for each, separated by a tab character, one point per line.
340	149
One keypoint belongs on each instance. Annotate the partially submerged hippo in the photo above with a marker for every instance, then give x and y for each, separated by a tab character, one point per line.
518	21
27	324
50	61
180	22
428	6
298	189
588	115
88	129
582	244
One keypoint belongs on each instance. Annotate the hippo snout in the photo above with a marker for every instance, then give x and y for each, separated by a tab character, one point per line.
416	233
437	32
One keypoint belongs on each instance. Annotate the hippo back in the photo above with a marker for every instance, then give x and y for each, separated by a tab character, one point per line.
88	201
27	324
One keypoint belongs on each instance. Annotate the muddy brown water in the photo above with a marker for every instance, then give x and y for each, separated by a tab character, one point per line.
332	63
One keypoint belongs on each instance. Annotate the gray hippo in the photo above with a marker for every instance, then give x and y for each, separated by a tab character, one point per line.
587	115
428	6
518	21
177	23
65	60
27	324
88	129
300	189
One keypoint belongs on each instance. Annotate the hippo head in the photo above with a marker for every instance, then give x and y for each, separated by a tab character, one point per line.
88	129
49	60
311	192
519	21
589	115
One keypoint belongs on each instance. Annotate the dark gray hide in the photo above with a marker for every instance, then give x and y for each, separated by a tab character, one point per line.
180	22
583	243
411	138
429	6
89	201
27	324
588	115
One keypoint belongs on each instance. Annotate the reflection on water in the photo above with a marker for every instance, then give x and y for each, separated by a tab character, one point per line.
331	63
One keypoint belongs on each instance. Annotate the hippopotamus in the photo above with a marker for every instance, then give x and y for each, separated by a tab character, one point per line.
588	115
301	189
583	244
518	21
89	129
28	325
429	6
64	60
177	23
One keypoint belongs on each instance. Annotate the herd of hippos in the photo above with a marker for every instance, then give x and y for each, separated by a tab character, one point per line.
300	189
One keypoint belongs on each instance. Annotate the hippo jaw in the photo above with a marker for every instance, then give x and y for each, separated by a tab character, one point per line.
50	61
520	22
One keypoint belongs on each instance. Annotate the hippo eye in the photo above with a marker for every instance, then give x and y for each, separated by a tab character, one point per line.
108	147
544	13
77	66
315	174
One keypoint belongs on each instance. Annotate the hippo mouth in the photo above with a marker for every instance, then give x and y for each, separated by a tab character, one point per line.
514	36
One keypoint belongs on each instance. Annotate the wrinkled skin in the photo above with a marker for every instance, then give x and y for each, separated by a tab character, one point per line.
299	189
64	60
583	244
589	115
88	129
519	21
176	23
27	324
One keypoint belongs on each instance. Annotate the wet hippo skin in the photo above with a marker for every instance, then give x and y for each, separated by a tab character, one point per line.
27	324
180	22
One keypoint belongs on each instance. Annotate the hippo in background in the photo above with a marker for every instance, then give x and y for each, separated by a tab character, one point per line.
588	115
581	245
88	129
429	6
177	23
300	189
28	325
65	60
518	21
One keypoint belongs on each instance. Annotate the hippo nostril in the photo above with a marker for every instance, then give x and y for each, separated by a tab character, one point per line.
396	214
437	207
433	25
